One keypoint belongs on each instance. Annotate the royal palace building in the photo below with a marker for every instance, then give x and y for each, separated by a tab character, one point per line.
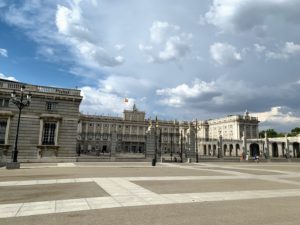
48	126
52	128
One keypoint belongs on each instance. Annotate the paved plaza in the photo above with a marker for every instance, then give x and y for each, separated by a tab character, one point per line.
137	193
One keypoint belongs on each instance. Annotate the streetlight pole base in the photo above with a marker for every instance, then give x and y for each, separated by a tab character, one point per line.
153	162
12	165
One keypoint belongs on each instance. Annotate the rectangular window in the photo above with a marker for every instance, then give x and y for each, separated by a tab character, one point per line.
2	131
49	134
4	102
51	106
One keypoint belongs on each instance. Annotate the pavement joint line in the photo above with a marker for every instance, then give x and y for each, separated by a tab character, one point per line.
85	180
19	209
279	180
241	168
212	170
255	169
72	205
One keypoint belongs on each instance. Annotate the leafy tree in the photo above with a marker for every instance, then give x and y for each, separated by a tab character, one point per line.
295	131
271	133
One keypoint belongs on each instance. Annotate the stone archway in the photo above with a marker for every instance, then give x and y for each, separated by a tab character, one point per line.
237	148
283	149
204	150
296	150
254	149
225	149
275	150
214	150
230	149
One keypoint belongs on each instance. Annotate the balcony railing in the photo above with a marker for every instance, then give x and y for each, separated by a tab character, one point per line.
36	88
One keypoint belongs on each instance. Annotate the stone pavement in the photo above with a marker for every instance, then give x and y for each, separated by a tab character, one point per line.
128	191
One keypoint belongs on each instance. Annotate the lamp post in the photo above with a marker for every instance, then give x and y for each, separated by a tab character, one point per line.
181	160
20	103
160	142
155	143
197	141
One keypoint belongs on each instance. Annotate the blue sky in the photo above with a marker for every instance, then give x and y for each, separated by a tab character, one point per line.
175	59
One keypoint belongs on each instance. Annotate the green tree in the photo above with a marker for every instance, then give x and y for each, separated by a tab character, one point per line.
271	133
295	131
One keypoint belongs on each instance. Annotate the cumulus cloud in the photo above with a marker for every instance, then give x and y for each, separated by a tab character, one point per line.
183	93
259	48
3	52
126	85
288	50
168	43
280	118
71	23
225	54
67	26
251	14
160	31
119	47
2	76
98	101
224	95
277	114
46	51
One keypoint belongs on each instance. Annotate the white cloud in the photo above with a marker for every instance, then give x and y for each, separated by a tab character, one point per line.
277	114
291	48
168	43
175	48
71	23
2	76
46	51
160	31
183	93
3	52
288	50
202	20
97	100
259	48
126	85
225	54
119	47
145	48
251	14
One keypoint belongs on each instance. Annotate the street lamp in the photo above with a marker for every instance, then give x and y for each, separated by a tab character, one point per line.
20	103
197	141
155	144
181	160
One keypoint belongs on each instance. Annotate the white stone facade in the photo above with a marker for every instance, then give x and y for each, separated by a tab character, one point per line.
229	127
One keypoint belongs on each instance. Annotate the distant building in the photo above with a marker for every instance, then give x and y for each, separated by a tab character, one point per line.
127	134
232	127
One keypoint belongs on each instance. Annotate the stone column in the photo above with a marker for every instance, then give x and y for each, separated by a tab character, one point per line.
191	143
245	150
150	143
287	147
266	150
220	147
113	144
